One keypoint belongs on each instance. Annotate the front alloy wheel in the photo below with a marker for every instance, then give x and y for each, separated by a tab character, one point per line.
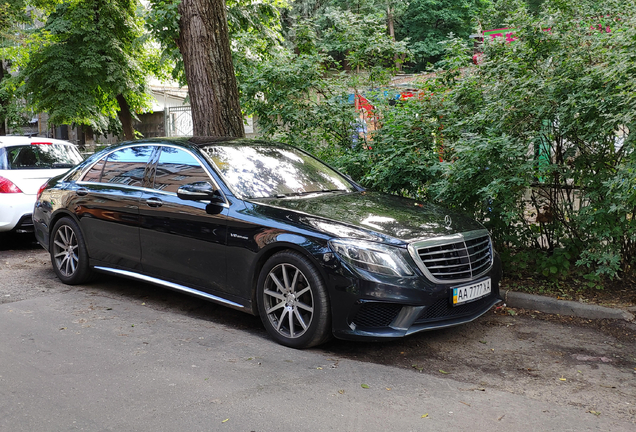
289	302
293	302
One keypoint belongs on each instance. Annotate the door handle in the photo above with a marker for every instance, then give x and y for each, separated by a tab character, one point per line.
82	191
154	202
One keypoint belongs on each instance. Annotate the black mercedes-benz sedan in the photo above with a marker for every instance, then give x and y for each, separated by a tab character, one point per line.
270	230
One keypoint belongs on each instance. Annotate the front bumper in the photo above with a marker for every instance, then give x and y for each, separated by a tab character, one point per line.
363	309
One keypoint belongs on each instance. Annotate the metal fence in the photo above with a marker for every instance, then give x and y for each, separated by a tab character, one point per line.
178	121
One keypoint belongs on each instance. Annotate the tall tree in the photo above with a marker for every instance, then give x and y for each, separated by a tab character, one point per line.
195	37
88	67
12	16
205	46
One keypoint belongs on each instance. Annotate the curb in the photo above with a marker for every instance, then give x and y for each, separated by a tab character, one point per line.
563	307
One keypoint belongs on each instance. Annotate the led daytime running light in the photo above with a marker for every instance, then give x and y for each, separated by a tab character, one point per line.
372	257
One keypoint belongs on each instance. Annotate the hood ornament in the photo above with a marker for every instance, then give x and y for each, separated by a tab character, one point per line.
448	221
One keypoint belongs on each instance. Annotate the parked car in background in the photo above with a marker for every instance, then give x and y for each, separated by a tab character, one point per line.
270	230
25	165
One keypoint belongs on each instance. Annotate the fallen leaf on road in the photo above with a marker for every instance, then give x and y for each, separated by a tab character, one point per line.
482	342
444	372
319	368
365	386
596	413
465	403
562	379
418	367
424	415
341	391
224	420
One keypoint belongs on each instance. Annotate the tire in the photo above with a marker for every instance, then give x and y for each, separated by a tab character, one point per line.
293	302
68	253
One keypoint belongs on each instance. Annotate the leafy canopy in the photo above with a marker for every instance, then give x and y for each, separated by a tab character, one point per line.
88	53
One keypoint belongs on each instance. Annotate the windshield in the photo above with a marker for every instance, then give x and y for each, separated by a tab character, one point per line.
262	171
39	156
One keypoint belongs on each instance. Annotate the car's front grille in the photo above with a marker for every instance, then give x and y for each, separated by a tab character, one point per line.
376	314
443	310
457	258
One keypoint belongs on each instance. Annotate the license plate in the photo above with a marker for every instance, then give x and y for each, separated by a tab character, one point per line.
468	293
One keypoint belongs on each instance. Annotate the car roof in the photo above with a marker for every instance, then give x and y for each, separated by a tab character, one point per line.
199	141
6	141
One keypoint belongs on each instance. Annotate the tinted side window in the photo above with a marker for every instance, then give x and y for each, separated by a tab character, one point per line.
177	167
125	166
95	173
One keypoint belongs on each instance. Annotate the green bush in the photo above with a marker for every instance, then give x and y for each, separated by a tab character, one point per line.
534	141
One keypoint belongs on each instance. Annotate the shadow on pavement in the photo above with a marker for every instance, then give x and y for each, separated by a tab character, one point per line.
14	241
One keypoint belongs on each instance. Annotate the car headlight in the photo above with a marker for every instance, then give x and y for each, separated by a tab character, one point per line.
372	257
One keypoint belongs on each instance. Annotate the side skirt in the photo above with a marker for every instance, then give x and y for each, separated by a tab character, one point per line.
170	285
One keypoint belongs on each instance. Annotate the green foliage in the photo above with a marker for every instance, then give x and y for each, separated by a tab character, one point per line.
13	19
402	156
428	22
357	41
162	21
297	103
540	130
87	54
534	141
254	28
306	98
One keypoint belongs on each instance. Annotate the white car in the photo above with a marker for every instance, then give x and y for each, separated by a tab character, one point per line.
25	165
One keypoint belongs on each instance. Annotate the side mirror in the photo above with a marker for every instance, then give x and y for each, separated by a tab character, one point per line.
200	191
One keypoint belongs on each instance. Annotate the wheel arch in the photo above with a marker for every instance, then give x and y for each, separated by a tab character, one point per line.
269	251
59	215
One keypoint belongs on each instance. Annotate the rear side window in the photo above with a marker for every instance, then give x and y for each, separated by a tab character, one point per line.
176	168
39	156
125	166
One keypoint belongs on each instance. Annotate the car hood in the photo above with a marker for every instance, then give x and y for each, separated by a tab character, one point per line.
378	216
30	180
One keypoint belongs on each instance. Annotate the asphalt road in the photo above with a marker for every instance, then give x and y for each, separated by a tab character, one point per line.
117	355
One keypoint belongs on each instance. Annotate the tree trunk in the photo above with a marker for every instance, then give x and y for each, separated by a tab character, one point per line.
205	46
390	21
4	72
125	117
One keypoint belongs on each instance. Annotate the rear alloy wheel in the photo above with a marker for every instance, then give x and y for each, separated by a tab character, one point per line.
293	302
68	253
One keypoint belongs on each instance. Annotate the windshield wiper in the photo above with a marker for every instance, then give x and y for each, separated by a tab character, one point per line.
296	194
319	191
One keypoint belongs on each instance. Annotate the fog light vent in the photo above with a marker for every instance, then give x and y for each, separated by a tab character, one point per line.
376	314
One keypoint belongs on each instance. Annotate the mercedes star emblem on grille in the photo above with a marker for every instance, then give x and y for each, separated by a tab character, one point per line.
448	221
